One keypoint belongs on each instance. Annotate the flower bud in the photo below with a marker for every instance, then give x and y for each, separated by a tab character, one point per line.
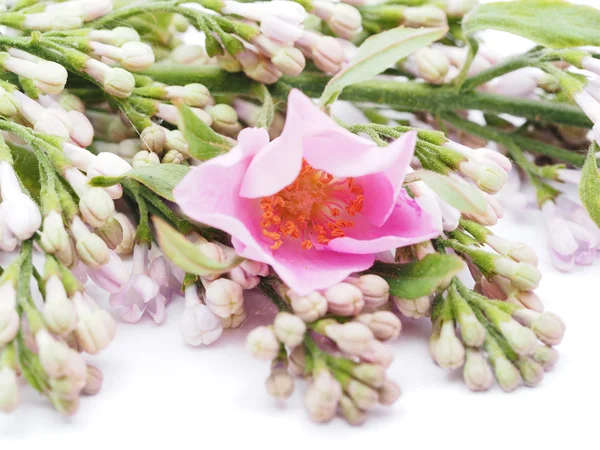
328	54
345	21
546	356
507	374
9	390
173	157
8	108
224	297
458	8
93	382
193	94
224	119
351	337
289	60
308	307
297	360
65	406
523	276
57	359
289	329
471	330
118	82
521	339
477	373
378	353
351	412
245	280
21	215
128	229
111	233
279	30
432	64
136	56
389	393
189	54
117	36
198	324
322	397
417	308
96	207
154	139
375	290
262	343
344	299
365	397
384	324
371	374
9	317
445	348
280	385
235	320
145	158
176	141
531	371
424	16
58	311
95	327
515	250
547	326
49	77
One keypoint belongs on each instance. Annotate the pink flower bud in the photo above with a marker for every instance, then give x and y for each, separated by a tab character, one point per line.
389	393
351	337
546	356
364	397
126	245
289	60
280	385
289	329
371	374
9	390
351	412
477	373
262	343
280	30
344	299
57	359
297	360
308	307
224	297
58	311
432	64
95	327
384	324
93	382
328	54
548	327
375	290
377	353
322	397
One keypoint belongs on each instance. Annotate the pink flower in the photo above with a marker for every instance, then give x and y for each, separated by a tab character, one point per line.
149	288
317	203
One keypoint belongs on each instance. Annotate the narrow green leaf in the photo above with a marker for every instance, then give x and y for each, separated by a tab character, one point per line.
378	53
160	178
589	187
204	143
267	111
552	23
421	278
186	255
464	197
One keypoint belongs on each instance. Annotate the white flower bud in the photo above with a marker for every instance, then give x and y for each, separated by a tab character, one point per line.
432	64
376	291
328	54
22	216
96	207
136	56
235	320
8	108
93	382
322	397
189	54
57	359
154	138
65	406
9	317
477	373
547	326
345	20
521	339
351	412
214	252
262	343
308	307
280	384
507	374
546	356
49	77
445	348
126	245
224	297
364	397
92	250
145	158
289	60
344	299
424	16
523	276
95	327
351	337
389	393
531	371
176	141
378	353
417	308
58	311
289	329
198	324
193	94
117	36
458	8
384	324
9	390
471	330
111	233
173	157
118	82
297	360
224	119
371	374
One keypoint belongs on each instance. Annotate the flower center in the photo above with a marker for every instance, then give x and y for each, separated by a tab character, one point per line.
316	207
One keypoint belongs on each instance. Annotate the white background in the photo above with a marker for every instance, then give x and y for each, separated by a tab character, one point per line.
159	391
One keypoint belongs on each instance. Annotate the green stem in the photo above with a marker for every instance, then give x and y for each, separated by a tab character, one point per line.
407	96
269	290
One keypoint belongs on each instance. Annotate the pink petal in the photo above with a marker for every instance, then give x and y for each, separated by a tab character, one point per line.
408	224
132	313
156	308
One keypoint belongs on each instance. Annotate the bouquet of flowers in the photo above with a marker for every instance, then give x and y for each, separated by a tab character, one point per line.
200	137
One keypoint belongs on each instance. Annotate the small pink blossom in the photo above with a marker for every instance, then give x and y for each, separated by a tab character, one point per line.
317	203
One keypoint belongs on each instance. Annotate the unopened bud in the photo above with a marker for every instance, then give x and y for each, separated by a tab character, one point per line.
477	373
119	82
547	326
117	36
154	138
136	56
176	141
9	317
194	94
345	21
262	343
328	54
7	104
308	307
128	231
507	374
289	329
96	328
344	299
546	356
58	311
189	54
417	308
472	331
54	236
521	339
384	324
445	348
351	412
173	157
96	207
224	119
224	297
289	60
322	397
235	320
378	353
49	77
376	291
371	374
280	384
9	390
22	215
365	397
458	8
432	64
93	382
111	233
92	250
523	276
424	16
351	337
145	158
531	371
297	360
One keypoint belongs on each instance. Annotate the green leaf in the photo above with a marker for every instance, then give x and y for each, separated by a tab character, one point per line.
589	187
186	255
552	23
464	197
204	143
160	178
378	53
420	278
265	116
26	166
